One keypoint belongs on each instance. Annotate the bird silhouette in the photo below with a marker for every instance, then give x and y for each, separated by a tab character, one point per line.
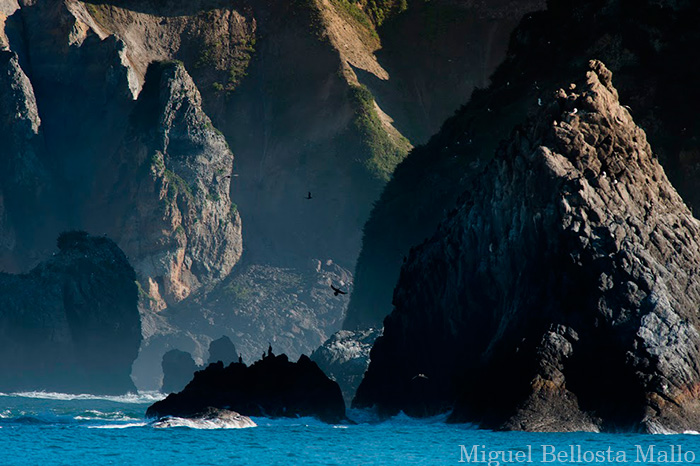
308	196
337	291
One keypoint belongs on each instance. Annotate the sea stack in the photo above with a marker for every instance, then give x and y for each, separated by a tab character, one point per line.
71	324
561	294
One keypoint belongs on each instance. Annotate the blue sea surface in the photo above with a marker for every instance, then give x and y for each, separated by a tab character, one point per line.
56	429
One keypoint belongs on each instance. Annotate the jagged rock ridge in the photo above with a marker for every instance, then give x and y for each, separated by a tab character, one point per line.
71	324
272	386
646	45
562	293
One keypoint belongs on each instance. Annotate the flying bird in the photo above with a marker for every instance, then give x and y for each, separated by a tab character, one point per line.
337	291
308	196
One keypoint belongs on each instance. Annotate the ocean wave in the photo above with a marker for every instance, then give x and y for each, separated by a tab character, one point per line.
288	422
120	426
371	416
94	415
131	398
202	424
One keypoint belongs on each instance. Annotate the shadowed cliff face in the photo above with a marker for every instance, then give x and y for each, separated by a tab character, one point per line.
72	323
25	185
127	138
436	53
646	45
163	194
562	292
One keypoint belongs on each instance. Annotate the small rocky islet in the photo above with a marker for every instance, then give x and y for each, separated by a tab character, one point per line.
273	386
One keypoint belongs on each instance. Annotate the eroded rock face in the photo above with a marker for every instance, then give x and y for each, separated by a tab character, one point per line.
344	357
176	221
273	387
72	323
561	294
25	184
644	43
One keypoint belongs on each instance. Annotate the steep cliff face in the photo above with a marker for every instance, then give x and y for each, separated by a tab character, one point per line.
72	323
436	53
163	194
25	185
644	43
561	294
158	184
126	137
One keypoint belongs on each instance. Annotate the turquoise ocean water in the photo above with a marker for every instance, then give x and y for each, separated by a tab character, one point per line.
56	429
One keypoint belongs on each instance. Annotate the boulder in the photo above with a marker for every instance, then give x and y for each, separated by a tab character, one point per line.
210	418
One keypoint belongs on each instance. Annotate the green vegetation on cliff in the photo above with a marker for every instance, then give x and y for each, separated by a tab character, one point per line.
381	10
382	153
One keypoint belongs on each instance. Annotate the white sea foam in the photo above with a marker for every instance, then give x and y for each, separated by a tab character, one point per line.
370	416
119	426
94	415
132	398
201	423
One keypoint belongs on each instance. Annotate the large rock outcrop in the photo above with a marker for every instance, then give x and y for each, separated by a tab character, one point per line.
646	45
561	294
25	184
72	323
164	193
273	386
344	357
125	134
